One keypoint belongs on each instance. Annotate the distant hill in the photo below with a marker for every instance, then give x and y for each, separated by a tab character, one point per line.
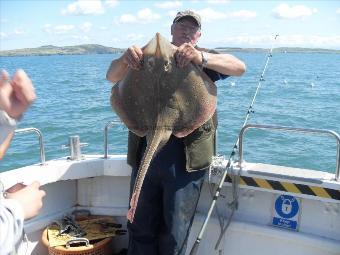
279	50
84	49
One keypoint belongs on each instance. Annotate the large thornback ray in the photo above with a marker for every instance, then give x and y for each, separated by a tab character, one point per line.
162	99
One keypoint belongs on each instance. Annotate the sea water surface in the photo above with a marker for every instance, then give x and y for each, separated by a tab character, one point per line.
300	90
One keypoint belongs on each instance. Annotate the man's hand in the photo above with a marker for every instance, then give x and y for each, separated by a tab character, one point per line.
30	197
16	95
6	91
187	53
133	57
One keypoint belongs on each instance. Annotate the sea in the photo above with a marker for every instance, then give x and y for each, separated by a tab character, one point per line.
298	90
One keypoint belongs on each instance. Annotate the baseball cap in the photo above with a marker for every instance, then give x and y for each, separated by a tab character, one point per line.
188	13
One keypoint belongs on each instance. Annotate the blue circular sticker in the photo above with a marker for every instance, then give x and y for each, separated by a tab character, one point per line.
286	206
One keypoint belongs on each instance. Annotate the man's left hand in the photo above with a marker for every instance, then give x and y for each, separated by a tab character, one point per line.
187	53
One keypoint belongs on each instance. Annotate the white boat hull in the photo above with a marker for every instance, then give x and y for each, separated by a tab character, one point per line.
102	186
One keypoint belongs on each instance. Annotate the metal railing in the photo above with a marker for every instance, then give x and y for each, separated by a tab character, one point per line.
106	130
291	129
41	141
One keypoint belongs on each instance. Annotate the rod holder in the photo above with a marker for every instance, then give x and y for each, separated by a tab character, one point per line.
75	147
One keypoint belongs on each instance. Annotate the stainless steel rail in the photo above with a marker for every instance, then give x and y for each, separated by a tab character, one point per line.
41	141
291	129
106	130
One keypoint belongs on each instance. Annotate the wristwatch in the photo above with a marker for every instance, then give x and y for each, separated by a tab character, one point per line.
204	59
7	125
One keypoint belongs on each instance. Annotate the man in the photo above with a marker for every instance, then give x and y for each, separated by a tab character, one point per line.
20	201
172	185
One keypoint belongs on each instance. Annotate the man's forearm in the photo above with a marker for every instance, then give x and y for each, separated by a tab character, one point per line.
5	144
225	64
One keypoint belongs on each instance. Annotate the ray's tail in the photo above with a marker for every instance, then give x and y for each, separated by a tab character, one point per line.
156	140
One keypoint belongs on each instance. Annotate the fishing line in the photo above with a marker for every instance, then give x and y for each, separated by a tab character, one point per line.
234	203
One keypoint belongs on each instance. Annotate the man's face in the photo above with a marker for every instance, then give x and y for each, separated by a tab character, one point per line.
185	30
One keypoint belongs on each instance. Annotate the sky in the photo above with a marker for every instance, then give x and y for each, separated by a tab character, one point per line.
114	23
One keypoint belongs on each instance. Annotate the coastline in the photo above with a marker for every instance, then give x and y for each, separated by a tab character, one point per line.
88	49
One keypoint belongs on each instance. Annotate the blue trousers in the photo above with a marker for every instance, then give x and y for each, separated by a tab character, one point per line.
166	205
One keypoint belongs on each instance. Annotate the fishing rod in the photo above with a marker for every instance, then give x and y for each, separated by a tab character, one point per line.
234	203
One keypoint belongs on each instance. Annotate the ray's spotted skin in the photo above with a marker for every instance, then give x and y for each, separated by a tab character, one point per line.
161	99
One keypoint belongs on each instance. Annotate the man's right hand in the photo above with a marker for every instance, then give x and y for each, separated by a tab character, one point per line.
30	198
16	95
133	57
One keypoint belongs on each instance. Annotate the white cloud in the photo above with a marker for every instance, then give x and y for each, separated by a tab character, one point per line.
84	7
134	37
313	41
267	41
169	4
147	15
86	27
128	18
284	11
218	1
112	3
243	14
59	29
249	40
18	32
115	40
82	38
143	16
172	14
103	28
338	11
3	35
209	14
47	28
67	29
63	29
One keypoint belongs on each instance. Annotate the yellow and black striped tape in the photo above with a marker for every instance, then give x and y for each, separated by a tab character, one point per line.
289	187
